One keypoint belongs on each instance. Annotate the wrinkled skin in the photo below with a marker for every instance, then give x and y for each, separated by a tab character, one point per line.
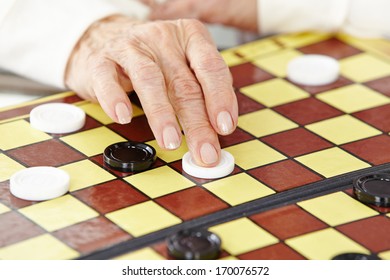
240	14
176	71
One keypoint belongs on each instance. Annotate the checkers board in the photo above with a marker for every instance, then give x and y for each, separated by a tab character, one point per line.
297	151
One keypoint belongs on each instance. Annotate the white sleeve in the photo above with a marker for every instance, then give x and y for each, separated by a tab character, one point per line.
364	18
368	18
38	36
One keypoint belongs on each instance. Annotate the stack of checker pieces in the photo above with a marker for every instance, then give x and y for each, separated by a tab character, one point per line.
297	150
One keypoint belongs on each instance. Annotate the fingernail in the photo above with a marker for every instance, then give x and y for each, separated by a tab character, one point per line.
171	138
208	154
224	122
122	113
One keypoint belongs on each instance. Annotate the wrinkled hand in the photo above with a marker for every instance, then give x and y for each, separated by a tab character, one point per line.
176	72
240	14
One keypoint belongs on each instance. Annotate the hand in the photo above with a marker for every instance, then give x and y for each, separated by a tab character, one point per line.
240	14
176	72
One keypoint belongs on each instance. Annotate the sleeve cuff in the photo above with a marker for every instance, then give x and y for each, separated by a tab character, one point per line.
282	16
39	49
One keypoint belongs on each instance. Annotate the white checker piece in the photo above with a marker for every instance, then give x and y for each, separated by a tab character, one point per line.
39	183
57	118
224	167
313	70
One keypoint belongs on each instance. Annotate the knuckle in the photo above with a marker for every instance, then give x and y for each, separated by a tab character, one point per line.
102	77
144	67
212	64
221	98
189	104
157	112
161	109
193	23
185	87
192	112
145	70
199	130
97	67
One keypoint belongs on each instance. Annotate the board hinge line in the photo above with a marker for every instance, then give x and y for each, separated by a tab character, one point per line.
334	184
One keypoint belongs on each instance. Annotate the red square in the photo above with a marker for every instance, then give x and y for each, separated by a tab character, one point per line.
278	251
306	111
15	227
381	85
9	200
247	105
372	233
296	142
288	221
110	196
92	235
161	248
285	175
191	203
378	117
331	47
247	74
138	130
47	153
90	123
238	136
340	82
375	150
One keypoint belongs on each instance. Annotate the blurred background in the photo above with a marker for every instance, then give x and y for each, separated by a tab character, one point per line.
15	90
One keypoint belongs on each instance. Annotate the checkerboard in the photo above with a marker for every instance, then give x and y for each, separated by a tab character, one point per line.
297	150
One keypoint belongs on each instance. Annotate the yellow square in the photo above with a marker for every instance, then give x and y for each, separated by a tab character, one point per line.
385	255
169	155
58	213
142	254
364	67
143	218
276	63
93	141
301	39
8	167
85	173
238	189
159	181
378	45
4	209
137	111
324	244
257	48
337	208
343	129
95	111
42	247
231	58
353	98
242	236
264	122
254	153
332	162
229	258
274	92
19	133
